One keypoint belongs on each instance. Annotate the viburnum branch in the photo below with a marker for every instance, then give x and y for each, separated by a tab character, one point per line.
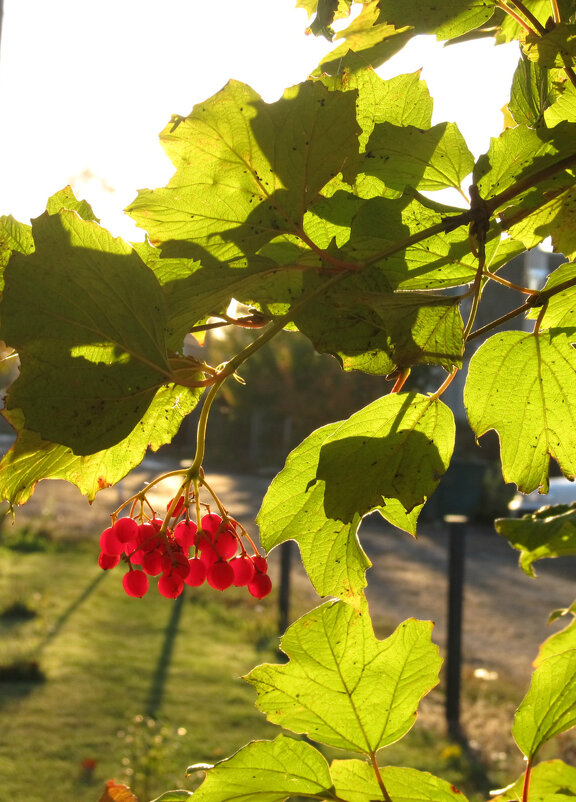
523	9
556	11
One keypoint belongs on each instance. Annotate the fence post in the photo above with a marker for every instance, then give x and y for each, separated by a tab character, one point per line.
456	560
284	589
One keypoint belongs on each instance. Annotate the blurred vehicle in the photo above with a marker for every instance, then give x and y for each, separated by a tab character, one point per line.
561	491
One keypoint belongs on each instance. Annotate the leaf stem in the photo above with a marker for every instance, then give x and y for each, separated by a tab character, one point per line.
523	9
515	16
556	11
376	769
445	384
526	785
506	283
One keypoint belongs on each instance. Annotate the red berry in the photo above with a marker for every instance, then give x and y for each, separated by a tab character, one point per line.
220	575
226	544
147	537
135	583
157	523
170	586
178	508
107	561
197	573
176	563
209	555
260	563
125	529
109	543
243	568
185	534
210	523
260	586
152	563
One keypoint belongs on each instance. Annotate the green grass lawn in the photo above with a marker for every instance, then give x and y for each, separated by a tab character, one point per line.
108	659
147	686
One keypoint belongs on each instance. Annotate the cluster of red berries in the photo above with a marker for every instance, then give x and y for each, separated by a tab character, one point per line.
184	554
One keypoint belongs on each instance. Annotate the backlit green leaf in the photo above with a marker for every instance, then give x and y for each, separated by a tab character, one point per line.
561	309
246	171
561	641
533	91
32	459
396	448
425	159
268	771
447	20
87	319
553	48
522	385
402	100
293	509
550	533
549	707
14	236
355	781
65	199
342	686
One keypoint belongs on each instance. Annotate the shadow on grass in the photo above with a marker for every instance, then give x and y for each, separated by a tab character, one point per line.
61	622
161	673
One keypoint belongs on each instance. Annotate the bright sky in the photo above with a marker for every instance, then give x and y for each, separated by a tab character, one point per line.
87	86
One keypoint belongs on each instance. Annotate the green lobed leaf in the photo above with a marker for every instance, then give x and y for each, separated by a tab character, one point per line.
174	796
402	100
293	509
549	533
32	459
441	260
522	385
65	199
344	687
379	332
554	48
549	707
87	318
425	159
447	20
550	781
269	771
366	43
555	218
390	454
14	237
560	311
520	152
246	171
397	447
563	108
355	781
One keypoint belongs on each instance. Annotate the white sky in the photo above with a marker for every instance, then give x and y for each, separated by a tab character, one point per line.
87	86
